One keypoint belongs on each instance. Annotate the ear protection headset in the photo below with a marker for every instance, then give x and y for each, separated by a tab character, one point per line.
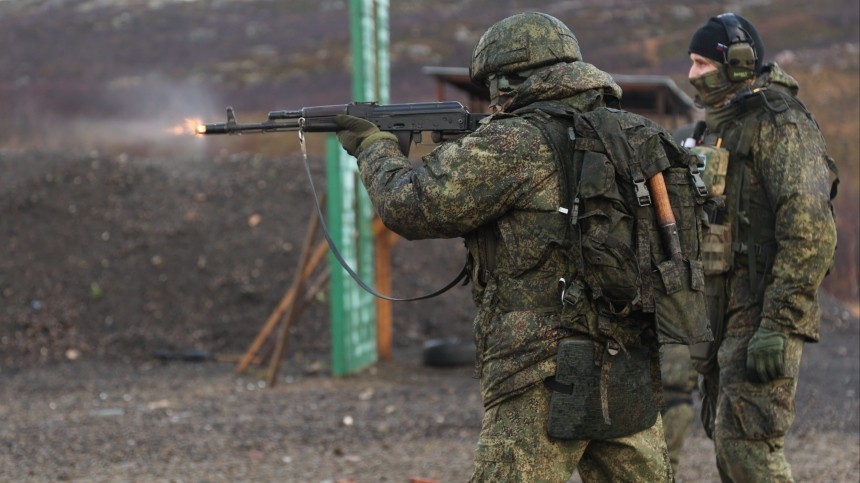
739	55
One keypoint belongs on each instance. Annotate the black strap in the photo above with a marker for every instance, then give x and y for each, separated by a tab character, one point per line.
552	384
351	272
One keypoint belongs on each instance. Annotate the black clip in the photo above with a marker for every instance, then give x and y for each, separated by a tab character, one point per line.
574	217
643	196
701	189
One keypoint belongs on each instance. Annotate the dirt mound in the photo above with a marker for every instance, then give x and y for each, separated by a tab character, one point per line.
115	257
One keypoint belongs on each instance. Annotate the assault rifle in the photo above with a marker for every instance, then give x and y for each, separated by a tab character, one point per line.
444	120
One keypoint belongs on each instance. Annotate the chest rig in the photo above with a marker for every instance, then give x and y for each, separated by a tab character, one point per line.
740	229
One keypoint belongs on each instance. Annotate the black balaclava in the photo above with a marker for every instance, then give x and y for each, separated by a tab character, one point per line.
712	42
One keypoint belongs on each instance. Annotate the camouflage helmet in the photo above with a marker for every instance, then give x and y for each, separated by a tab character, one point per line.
522	42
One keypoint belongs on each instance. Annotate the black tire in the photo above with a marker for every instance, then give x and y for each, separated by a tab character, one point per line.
448	352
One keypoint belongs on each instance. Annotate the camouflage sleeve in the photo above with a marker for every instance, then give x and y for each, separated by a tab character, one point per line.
790	157
462	184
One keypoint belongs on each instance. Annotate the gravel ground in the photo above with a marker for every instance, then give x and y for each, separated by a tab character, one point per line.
201	422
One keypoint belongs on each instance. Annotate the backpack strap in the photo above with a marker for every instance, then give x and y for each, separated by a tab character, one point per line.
609	129
644	224
559	132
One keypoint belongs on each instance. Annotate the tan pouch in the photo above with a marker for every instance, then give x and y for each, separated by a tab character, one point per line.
713	164
717	249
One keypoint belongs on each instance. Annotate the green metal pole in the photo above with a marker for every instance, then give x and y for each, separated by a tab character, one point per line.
350	213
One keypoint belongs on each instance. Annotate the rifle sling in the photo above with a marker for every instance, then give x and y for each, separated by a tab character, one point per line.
342	261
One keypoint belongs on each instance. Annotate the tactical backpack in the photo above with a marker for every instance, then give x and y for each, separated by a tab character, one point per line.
623	273
620	260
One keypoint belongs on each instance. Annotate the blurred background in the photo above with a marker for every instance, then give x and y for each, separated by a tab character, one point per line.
122	233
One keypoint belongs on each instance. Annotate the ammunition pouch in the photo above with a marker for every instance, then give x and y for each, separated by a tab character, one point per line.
678	285
716	238
680	309
717	249
603	395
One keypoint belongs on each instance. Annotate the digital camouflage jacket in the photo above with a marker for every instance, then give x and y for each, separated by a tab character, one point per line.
498	188
778	194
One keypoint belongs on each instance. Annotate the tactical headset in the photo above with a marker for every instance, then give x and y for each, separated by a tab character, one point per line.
740	57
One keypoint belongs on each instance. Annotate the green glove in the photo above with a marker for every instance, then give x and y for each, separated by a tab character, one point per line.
354	131
766	354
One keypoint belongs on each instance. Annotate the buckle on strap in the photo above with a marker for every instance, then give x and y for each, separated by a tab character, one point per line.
701	188
643	196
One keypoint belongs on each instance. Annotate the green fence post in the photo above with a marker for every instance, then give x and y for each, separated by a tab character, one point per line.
350	213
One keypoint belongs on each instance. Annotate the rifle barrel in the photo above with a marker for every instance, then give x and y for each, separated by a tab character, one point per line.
235	128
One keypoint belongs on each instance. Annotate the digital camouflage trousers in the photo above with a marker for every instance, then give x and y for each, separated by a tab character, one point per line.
751	418
514	447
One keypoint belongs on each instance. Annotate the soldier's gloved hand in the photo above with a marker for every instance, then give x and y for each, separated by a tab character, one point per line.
356	133
766	354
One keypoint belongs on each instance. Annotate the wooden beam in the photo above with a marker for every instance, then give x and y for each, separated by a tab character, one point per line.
384	240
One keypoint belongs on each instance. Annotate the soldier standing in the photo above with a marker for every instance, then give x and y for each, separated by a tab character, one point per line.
771	244
501	188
